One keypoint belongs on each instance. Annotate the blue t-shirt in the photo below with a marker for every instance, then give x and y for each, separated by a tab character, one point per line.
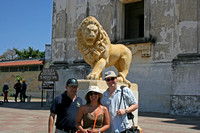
118	123
66	111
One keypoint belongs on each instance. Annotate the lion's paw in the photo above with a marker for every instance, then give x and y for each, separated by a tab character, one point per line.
93	76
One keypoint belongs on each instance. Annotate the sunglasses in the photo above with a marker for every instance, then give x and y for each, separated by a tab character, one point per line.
113	78
93	93
73	87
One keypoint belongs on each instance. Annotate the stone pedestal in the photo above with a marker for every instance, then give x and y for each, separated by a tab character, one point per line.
84	84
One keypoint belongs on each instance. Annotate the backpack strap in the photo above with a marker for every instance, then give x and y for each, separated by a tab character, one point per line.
129	115
121	87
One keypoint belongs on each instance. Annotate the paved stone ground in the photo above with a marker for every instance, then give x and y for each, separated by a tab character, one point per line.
165	123
32	118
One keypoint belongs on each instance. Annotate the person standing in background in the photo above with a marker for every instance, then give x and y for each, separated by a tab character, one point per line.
17	87
5	92
23	91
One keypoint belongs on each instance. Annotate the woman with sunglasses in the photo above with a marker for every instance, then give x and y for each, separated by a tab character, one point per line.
93	117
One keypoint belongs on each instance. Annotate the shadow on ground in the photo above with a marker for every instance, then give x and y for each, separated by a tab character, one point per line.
183	120
26	105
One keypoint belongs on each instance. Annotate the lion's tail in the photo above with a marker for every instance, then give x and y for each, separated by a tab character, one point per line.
124	79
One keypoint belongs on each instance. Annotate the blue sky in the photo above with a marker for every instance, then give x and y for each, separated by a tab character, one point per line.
25	23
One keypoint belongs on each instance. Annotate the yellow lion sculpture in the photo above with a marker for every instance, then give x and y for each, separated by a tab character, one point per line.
99	53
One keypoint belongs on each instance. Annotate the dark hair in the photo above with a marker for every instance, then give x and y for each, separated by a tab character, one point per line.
88	99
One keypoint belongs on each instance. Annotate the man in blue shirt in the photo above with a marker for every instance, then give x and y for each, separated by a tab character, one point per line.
111	99
65	106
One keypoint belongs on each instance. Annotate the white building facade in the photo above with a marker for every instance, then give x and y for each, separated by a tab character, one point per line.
163	36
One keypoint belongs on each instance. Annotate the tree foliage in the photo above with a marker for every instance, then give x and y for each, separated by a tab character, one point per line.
29	53
12	54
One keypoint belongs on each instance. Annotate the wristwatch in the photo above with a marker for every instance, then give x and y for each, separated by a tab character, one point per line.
99	131
126	110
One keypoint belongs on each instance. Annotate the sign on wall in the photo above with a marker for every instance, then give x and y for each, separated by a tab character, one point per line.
47	85
48	75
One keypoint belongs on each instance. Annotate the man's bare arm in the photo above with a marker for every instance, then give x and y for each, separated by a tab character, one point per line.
51	122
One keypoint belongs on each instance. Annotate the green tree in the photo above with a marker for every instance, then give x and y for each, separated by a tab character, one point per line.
29	53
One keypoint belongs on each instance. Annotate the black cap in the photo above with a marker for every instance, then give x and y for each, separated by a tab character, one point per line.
71	82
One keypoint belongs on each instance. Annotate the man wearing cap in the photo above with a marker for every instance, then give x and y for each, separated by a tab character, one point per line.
65	106
23	91
111	99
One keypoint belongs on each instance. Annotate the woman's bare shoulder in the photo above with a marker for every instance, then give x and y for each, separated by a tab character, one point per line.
104	108
84	108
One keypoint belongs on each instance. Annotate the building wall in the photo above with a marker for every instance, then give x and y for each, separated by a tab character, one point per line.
185	94
174	25
31	78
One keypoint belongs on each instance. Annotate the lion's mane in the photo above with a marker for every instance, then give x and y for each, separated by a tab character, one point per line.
92	53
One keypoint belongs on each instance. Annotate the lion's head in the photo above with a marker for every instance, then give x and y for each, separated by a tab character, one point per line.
92	39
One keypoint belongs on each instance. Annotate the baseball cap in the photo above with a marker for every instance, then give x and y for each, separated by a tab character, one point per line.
110	74
72	82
